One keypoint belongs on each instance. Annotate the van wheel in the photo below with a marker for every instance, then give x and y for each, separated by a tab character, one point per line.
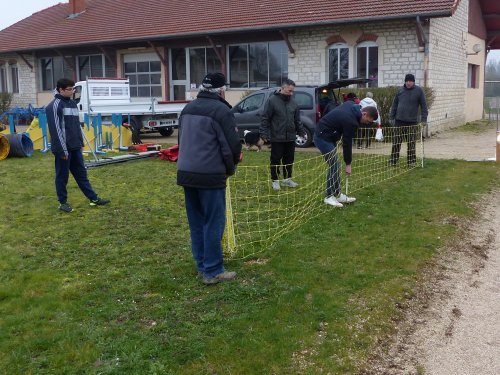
166	132
304	141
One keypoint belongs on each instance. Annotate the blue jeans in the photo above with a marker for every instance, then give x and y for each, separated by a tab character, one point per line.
206	213
76	166
328	150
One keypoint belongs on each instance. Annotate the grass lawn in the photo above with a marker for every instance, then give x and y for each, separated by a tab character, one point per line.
113	290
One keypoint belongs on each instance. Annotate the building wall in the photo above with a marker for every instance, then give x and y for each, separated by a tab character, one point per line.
398	51
448	69
474	97
27	80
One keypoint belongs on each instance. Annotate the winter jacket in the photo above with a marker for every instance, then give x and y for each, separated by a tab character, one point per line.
209	145
369	102
64	125
281	119
406	103
342	122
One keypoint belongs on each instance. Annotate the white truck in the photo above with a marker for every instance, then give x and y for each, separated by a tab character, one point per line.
107	96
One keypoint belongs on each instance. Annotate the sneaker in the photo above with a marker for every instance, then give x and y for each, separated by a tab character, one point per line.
99	202
223	276
342	198
288	182
276	185
392	164
332	201
64	207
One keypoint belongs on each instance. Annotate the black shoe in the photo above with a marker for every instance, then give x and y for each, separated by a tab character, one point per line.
99	202
64	207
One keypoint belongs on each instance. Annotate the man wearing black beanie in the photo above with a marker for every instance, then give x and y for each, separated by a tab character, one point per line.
404	112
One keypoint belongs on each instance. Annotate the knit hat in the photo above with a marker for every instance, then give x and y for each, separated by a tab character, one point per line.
409	77
214	80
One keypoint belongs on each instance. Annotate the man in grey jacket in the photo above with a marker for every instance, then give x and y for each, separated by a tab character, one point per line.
209	150
280	125
404	111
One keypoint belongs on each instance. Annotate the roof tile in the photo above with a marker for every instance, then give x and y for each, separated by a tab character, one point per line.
107	21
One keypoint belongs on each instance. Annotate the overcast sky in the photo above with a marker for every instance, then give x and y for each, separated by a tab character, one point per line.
16	10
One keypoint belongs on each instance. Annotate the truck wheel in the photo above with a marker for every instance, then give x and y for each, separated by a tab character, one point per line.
166	132
135	127
305	141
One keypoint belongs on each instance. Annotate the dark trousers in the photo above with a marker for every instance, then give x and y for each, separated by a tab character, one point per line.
76	166
282	153
404	131
365	134
328	150
206	213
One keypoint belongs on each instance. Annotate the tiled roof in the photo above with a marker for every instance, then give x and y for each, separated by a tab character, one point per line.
107	21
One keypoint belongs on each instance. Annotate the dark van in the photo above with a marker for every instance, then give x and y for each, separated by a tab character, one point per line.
312	101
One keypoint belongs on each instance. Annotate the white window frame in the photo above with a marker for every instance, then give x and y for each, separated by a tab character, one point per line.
366	45
338	47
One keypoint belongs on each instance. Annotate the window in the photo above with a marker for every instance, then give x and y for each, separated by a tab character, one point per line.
14	78
201	62
52	69
473	76
303	100
251	103
367	62
145	78
3	79
258	64
9	76
90	66
338	62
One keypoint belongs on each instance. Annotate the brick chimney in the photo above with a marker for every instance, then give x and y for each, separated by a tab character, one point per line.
77	6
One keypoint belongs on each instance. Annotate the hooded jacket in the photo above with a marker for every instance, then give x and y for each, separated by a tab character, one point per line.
342	122
209	145
369	102
64	125
281	119
406	103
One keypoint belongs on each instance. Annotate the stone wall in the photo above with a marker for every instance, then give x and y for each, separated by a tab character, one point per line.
399	54
27	81
448	68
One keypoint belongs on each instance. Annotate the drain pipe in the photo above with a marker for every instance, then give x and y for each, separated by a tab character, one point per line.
423	44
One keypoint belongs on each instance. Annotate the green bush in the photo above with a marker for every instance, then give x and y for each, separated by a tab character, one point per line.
384	97
5	101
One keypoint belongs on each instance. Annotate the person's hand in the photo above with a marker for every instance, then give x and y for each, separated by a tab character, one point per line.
64	157
348	169
241	157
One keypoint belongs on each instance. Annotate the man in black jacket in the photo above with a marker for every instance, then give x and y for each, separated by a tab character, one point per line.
280	125
404	113
341	123
209	150
66	145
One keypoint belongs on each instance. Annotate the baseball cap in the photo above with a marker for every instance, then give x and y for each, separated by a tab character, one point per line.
214	80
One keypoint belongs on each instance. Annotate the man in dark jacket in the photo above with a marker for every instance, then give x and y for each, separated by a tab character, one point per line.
340	123
404	114
209	150
280	126
66	145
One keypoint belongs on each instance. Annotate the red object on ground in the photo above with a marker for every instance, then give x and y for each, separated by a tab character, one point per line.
170	154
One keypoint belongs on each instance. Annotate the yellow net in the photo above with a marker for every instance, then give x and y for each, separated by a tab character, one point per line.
257	215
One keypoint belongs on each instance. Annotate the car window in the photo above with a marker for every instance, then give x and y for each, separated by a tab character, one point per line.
251	103
304	100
